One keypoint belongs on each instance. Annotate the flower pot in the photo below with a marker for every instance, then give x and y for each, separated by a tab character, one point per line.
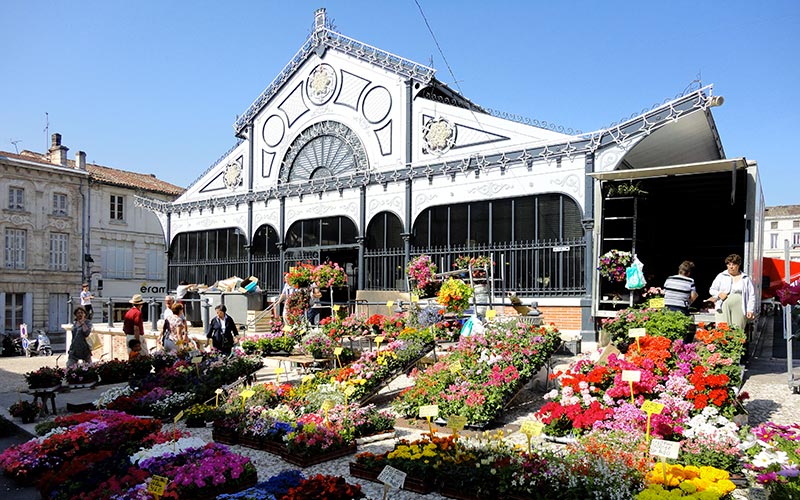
358	470
455	491
224	436
314	459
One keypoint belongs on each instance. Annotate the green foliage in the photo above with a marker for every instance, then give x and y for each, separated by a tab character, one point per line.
657	322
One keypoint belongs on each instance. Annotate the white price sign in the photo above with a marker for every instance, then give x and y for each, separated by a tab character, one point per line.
637	332
631	375
393	477
666	449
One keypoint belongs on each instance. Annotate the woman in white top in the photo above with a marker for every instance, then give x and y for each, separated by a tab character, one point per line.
733	293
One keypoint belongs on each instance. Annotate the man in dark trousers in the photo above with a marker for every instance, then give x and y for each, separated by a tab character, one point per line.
221	330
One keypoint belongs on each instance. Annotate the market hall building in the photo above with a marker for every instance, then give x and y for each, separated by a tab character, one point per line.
360	156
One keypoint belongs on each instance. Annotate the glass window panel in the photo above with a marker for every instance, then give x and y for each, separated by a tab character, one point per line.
330	231
573	229
479	222
549	217
420	230
458	224
348	230
376	231
524	222
192	242
294	236
212	244
310	233
272	241
501	220
438	225
394	230
222	243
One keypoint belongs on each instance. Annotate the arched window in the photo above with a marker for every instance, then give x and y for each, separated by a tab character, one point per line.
325	149
384	232
530	218
327	231
265	241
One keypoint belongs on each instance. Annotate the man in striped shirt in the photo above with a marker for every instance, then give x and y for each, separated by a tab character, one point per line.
679	290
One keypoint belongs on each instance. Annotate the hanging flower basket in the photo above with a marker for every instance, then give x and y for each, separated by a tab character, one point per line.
613	263
454	295
420	271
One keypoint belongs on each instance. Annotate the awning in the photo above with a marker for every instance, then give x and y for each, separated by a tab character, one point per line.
774	271
669	170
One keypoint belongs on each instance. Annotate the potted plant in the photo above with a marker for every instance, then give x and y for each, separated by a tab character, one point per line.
299	276
329	275
82	374
421	271
45	377
613	263
25	410
454	295
479	264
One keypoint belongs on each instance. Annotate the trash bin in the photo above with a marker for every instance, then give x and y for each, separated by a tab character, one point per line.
192	309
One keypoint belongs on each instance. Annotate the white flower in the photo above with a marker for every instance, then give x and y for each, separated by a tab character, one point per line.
175	447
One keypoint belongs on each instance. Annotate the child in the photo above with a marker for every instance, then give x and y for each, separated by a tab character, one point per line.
135	346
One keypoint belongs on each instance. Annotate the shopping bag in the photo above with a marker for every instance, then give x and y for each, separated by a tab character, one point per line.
472	326
94	341
634	277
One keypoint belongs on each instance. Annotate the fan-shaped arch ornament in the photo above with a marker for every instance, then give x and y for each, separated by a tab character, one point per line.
325	149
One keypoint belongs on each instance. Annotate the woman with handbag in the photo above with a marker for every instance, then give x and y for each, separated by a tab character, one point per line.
79	349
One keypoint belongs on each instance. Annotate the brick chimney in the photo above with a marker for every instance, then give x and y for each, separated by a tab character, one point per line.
80	160
58	153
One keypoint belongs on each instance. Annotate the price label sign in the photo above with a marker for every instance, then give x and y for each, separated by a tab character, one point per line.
389	303
327	405
247	393
178	417
455	367
531	428
307	378
652	407
664	449
218	392
197	360
429	411
491	314
631	375
279	370
336	308
414	299
637	332
392	477
337	351
379	339
287	328
157	485
349	390
456	422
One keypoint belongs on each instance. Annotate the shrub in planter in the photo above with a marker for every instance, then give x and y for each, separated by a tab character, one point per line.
44	378
113	371
658	322
25	410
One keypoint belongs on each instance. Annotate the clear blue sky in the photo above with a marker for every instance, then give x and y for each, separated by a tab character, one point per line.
154	86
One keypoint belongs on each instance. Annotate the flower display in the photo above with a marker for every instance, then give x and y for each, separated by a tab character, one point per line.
329	275
454	295
689	479
492	367
25	410
421	271
772	458
613	263
296	306
45	377
82	373
299	276
479	264
324	486
656	322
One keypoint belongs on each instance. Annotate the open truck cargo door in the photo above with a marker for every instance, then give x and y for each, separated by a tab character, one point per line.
696	211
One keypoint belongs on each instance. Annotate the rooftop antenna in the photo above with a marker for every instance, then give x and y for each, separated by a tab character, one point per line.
46	130
12	141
